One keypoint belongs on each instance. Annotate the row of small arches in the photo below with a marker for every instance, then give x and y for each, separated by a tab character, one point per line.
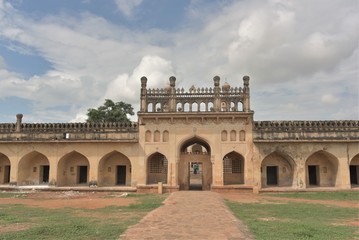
233	135
195	107
156	136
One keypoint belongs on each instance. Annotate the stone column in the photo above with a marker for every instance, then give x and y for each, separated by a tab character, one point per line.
143	107
18	122
172	103
217	99
246	103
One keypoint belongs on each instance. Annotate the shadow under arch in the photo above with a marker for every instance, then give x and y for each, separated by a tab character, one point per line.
195	153
157	168
233	168
5	165
277	170
73	169
354	170
321	169
33	169
114	169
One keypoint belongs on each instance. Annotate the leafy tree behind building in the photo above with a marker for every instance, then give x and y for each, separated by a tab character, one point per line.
110	112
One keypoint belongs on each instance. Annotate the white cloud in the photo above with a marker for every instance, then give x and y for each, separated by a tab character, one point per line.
329	99
127	6
302	64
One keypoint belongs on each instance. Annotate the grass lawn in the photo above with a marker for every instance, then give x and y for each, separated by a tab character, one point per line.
293	220
73	223
339	196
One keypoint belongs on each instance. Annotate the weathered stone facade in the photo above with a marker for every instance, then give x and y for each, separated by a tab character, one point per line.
212	128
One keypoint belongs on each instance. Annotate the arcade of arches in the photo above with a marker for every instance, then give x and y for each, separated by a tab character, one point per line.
201	139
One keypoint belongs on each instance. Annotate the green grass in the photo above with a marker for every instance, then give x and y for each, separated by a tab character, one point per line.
12	195
296	220
69	223
339	196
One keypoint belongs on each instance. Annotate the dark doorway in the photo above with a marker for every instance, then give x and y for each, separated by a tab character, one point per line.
7	174
45	171
121	175
195	175
353	174
313	174
272	175
82	171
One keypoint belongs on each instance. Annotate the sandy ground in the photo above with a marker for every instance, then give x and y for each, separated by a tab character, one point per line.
74	199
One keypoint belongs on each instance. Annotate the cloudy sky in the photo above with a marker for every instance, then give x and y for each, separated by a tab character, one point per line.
59	58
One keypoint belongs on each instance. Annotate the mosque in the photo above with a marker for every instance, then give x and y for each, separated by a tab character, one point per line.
202	138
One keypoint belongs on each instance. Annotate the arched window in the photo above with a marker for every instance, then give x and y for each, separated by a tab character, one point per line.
165	136
148	136
157	136
233	135
224	136
242	135
150	107
157	169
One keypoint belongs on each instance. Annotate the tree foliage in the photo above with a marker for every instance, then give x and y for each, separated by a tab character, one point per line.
110	112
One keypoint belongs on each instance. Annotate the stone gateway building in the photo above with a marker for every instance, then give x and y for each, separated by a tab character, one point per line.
203	138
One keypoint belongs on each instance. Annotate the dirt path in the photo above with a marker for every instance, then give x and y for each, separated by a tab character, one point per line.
189	215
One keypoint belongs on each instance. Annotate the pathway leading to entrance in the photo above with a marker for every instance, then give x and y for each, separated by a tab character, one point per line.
189	215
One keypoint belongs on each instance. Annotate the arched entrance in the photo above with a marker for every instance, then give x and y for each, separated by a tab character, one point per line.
4	169
233	169
114	169
73	169
195	167
157	168
277	170
321	170
354	171
33	169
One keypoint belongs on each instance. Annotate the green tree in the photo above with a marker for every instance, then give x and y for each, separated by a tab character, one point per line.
110	112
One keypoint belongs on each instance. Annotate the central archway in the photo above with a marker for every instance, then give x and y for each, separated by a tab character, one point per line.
195	167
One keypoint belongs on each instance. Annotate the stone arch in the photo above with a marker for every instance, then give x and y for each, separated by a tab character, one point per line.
233	135
195	151
240	107
165	136
210	106
158	107
233	168
5	167
150	107
157	168
202	107
354	170
186	107
195	107
156	136
321	169
148	136
114	169
73	169
33	169
277	170
179	107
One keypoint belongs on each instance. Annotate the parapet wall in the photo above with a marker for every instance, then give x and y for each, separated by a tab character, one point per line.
68	131
347	130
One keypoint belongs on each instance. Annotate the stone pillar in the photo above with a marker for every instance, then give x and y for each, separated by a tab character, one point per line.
143	107
172	102
246	103
217	99
18	122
